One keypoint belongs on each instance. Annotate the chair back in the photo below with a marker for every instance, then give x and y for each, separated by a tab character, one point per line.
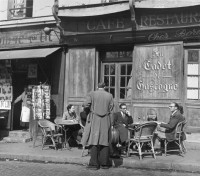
43	123
179	129
58	121
146	130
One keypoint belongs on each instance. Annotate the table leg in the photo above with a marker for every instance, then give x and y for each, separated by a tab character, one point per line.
66	144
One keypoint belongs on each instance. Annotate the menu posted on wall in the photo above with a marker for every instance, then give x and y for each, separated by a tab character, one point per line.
157	71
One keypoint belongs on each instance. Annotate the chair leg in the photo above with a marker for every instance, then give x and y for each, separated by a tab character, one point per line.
183	147
128	149
82	153
152	148
43	141
54	144
140	150
165	143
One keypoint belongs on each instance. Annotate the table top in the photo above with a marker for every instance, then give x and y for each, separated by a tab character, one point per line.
141	123
68	122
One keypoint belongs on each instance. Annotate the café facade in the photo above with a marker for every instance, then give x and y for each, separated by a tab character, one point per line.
147	53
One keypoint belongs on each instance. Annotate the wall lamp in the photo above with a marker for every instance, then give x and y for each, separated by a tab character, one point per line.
48	30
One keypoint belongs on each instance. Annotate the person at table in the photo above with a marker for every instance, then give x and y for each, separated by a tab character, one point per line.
121	120
97	131
70	114
83	118
169	128
151	115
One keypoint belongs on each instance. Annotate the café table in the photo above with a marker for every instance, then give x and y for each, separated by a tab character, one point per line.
65	126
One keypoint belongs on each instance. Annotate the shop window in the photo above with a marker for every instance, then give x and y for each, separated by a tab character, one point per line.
193	75
20	9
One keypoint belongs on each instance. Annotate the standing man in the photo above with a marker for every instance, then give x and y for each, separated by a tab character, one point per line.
98	126
121	120
170	127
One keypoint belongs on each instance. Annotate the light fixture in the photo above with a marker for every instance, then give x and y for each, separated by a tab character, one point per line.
48	30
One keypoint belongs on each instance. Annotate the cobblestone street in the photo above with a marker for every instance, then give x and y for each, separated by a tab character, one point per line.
15	168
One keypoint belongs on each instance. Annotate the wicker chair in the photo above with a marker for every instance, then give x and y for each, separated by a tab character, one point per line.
143	134
50	132
178	140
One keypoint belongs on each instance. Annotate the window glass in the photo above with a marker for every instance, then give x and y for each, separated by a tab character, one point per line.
193	69
192	82
192	94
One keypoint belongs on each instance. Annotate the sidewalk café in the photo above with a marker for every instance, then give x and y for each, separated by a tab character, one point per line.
146	52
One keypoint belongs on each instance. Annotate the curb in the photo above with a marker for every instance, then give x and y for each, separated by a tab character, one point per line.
127	163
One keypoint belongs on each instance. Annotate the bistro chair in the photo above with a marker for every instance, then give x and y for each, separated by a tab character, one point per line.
178	140
143	134
50	132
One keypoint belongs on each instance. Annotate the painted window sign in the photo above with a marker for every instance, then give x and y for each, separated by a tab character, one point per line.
157	69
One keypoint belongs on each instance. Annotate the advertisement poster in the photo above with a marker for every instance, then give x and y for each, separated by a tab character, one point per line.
41	102
6	89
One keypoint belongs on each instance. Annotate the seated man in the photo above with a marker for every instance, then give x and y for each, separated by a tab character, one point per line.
70	114
168	129
121	120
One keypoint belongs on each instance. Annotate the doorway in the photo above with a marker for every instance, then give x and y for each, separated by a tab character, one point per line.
18	82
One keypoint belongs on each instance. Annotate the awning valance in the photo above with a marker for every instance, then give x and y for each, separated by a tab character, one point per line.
165	3
30	53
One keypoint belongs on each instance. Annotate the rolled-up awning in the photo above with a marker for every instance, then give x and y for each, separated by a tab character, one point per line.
165	3
86	11
30	53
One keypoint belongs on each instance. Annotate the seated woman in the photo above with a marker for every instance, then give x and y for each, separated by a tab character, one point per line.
121	120
70	114
151	115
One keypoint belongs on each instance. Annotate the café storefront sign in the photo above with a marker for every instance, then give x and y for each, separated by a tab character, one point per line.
157	71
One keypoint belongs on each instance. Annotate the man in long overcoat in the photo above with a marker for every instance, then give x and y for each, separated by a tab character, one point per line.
98	127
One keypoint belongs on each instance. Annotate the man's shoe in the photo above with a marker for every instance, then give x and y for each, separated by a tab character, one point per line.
92	167
104	167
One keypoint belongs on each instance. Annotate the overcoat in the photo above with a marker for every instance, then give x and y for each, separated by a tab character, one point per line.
121	124
171	125
98	125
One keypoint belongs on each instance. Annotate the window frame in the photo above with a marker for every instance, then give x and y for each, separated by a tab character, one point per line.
191	75
26	10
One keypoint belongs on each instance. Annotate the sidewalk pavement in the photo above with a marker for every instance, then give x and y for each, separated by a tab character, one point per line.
190	162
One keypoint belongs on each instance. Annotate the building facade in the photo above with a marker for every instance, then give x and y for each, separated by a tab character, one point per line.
29	56
146	52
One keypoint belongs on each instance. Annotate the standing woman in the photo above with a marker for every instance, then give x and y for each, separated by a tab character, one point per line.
26	109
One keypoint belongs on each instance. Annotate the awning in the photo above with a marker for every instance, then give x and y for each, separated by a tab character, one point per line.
30	53
165	3
86	11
